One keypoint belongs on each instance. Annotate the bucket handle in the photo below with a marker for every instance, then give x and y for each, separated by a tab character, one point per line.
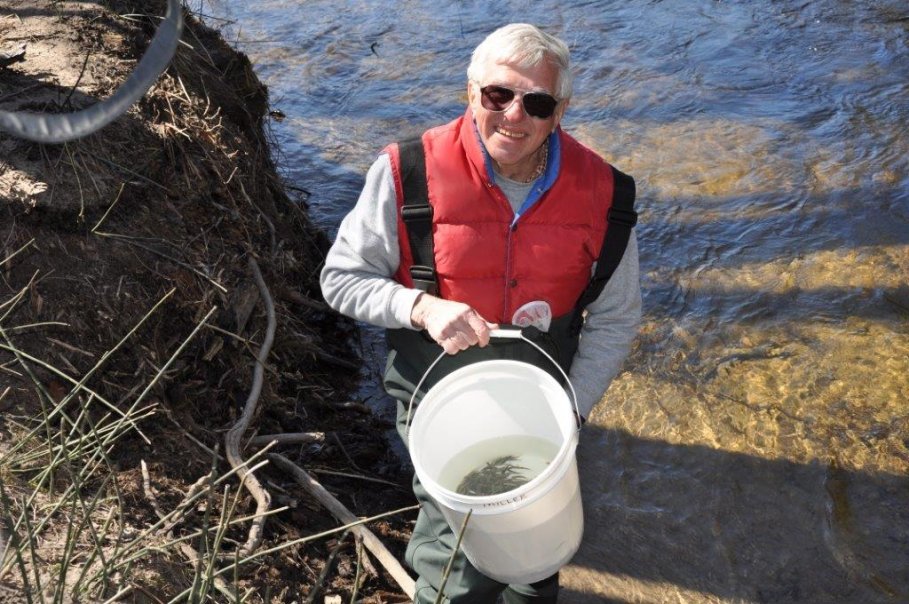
514	334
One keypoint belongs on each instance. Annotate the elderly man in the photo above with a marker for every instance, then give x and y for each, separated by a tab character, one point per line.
497	218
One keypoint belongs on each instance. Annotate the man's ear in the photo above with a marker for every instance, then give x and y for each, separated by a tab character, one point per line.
559	112
472	92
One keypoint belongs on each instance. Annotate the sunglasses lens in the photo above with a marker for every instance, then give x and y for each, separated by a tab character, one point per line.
499	98
539	105
496	98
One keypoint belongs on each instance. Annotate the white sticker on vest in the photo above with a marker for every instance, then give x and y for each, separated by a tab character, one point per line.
537	313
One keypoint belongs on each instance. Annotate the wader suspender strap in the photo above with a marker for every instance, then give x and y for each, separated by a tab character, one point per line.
417	215
621	219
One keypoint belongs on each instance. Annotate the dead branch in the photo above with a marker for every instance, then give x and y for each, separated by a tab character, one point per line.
201	485
293	438
297	298
192	557
353	406
370	540
355	476
233	436
336	361
149	491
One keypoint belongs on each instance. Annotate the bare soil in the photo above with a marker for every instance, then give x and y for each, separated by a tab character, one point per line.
172	201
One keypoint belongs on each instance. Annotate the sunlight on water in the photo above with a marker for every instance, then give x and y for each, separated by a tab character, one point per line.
692	157
869	268
756	448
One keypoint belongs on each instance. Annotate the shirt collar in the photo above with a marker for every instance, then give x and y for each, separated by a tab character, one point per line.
553	163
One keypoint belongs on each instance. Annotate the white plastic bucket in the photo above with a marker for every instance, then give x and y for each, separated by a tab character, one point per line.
526	534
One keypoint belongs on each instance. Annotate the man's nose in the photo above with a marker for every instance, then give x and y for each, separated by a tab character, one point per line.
515	112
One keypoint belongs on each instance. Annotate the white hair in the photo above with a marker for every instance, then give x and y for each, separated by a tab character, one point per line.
526	46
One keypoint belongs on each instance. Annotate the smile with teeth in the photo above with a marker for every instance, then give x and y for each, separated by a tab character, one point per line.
510	133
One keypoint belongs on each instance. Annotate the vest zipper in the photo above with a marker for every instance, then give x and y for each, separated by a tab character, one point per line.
500	198
509	245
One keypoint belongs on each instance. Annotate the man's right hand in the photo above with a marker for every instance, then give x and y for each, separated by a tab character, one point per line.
453	325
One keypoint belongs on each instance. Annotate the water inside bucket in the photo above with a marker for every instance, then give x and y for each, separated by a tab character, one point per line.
497	465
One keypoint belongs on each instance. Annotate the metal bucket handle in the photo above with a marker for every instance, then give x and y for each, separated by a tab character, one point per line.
514	334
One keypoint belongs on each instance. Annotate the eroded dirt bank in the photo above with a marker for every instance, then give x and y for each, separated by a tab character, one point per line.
132	317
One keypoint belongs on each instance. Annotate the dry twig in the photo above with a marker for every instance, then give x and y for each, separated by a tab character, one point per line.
372	543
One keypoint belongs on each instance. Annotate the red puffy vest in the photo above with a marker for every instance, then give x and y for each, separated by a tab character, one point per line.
484	261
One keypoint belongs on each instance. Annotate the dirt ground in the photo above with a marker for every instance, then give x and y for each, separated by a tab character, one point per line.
114	250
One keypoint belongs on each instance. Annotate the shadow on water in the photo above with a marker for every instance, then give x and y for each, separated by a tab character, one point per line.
822	222
669	522
746	260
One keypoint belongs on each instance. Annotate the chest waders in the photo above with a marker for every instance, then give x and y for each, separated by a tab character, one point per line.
410	352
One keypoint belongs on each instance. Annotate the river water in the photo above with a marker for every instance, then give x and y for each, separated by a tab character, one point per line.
756	447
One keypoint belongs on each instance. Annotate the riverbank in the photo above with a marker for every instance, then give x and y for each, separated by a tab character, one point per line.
144	270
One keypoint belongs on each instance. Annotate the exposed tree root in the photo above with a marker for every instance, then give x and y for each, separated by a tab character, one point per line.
233	436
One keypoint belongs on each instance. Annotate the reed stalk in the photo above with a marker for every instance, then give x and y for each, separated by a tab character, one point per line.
454	553
14	541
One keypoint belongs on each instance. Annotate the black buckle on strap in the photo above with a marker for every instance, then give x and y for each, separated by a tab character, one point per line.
413	213
622	217
424	278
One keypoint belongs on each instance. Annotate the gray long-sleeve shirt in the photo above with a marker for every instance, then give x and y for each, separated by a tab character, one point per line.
357	282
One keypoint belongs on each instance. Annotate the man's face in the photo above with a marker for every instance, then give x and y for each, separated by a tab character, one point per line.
512	137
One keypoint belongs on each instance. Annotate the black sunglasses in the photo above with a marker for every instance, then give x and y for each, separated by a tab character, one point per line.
536	104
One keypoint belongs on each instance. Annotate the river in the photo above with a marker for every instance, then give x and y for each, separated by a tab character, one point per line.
756	446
